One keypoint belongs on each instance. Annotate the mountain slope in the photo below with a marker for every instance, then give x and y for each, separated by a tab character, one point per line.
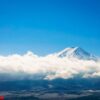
76	52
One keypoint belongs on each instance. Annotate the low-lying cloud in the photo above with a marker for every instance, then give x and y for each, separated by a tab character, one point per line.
30	66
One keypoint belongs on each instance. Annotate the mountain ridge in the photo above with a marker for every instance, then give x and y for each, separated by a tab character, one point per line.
76	52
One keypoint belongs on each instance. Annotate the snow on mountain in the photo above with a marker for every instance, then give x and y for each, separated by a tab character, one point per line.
75	52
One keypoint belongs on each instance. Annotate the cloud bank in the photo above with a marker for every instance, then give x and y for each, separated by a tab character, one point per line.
31	66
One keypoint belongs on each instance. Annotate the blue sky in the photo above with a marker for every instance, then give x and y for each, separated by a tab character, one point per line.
47	26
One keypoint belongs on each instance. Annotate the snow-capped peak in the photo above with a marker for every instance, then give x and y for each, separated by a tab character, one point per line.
76	52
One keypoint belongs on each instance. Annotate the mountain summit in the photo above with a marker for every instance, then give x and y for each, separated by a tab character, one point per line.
76	52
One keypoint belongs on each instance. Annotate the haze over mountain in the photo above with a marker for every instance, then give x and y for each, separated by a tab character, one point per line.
68	63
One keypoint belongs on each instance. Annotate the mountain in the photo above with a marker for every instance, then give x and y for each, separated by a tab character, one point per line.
76	52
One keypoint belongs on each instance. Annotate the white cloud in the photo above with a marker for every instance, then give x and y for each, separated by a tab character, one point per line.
49	67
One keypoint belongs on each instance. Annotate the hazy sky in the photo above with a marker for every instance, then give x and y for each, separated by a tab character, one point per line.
46	26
